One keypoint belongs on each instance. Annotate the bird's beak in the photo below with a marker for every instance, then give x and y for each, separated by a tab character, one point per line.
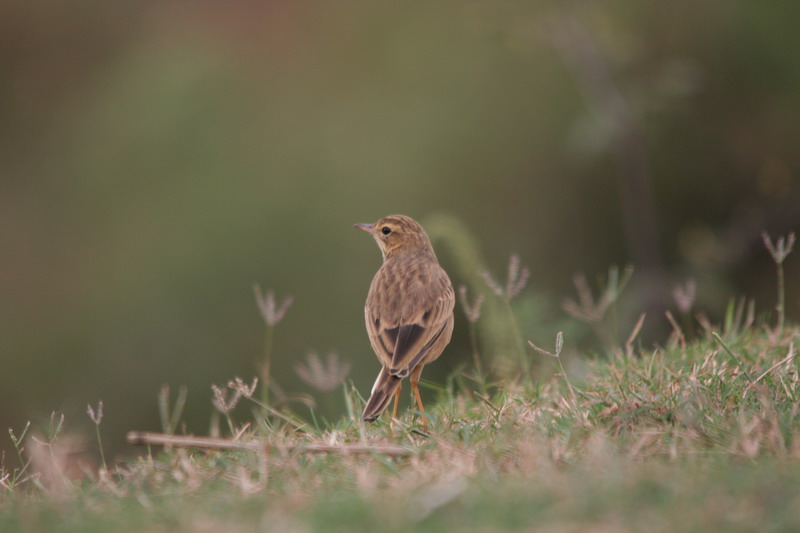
365	227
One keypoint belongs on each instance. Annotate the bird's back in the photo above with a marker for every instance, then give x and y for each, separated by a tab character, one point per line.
404	286
409	312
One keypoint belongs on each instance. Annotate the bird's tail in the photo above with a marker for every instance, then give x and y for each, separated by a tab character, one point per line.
383	390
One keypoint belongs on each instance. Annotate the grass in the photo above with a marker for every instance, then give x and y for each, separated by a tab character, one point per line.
667	439
701	434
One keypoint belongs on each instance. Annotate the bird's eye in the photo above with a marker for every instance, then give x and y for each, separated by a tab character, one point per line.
386	230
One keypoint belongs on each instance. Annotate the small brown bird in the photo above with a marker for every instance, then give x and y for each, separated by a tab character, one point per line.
409	309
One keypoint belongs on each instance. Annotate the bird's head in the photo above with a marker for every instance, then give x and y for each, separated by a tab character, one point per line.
398	234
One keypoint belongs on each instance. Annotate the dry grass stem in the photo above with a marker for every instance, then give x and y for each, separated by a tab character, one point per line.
222	402
472	312
59	461
732	355
515	282
243	388
704	322
271	312
326	376
187	441
96	416
677	332
589	309
628	346
170	418
779	250
593	310
517	279
684	296
558	347
789	357
637	328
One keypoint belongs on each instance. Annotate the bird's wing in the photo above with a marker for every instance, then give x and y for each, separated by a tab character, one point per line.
401	346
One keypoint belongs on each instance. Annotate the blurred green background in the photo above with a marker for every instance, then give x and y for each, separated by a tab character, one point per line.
158	158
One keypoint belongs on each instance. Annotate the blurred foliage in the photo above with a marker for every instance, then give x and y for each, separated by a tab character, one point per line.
158	158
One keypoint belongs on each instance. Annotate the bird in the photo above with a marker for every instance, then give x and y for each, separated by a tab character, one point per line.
408	312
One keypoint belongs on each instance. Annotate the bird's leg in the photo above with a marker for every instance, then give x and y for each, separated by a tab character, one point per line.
396	401
415	387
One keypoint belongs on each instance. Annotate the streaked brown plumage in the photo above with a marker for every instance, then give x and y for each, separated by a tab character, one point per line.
409	309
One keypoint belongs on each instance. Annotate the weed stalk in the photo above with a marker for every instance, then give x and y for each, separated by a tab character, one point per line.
271	314
779	250
97	416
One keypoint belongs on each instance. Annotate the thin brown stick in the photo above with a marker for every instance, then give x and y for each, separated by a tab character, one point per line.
636	329
792	355
144	438
676	329
634	333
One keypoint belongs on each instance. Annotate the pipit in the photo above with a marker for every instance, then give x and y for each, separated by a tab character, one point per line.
409	310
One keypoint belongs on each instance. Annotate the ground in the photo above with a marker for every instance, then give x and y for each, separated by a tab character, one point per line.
698	435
